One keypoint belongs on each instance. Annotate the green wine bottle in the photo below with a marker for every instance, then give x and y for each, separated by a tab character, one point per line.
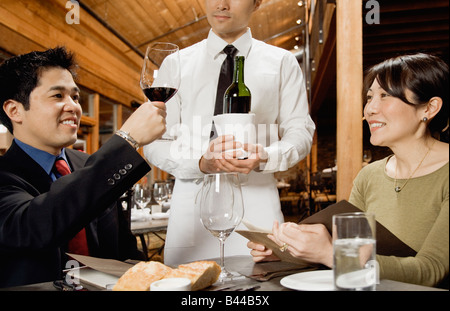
237	98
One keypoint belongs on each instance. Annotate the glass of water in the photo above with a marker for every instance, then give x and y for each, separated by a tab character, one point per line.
354	251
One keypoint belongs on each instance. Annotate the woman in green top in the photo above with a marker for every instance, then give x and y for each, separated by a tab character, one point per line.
407	110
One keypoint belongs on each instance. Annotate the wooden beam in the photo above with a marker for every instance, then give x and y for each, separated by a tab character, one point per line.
94	101
326	72
349	85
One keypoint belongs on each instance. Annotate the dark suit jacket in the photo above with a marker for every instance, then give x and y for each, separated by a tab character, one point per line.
38	217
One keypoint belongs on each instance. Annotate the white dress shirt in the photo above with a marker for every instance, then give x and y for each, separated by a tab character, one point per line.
284	128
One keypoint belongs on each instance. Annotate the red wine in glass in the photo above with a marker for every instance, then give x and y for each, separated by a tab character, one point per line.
160	94
160	76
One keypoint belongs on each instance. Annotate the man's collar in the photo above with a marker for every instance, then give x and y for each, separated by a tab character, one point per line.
215	44
43	158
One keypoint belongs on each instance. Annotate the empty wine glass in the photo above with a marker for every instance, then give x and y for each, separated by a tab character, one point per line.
160	76
142	195
169	187
160	192
221	209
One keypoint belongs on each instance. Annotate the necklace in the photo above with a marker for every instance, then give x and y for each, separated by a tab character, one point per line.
398	188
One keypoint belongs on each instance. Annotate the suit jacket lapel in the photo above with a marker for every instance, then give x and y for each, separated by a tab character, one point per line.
78	160
24	166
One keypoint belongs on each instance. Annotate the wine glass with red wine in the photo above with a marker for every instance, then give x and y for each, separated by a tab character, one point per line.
160	77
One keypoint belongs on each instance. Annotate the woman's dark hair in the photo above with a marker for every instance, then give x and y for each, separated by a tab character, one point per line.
425	75
20	74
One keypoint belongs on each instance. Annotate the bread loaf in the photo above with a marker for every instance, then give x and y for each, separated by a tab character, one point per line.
139	277
201	273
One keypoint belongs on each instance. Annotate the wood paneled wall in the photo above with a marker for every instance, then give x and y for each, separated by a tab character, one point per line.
107	65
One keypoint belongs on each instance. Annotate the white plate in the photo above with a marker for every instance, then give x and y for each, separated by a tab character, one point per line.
312	280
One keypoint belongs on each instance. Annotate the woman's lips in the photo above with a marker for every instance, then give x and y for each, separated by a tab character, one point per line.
375	125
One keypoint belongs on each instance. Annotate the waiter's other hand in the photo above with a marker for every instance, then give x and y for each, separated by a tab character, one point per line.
257	156
220	149
147	123
221	157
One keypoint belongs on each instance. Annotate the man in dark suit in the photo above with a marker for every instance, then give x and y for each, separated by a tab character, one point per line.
41	211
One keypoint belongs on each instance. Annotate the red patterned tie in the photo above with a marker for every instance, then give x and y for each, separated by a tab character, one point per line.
78	245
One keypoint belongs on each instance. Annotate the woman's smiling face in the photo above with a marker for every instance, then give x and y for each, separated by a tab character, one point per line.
390	119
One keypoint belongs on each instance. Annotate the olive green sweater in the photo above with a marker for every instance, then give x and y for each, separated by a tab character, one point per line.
418	215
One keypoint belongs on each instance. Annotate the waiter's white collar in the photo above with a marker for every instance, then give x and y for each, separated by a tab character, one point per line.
215	44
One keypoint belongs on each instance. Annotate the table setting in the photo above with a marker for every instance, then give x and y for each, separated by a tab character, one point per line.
268	276
146	214
144	209
354	233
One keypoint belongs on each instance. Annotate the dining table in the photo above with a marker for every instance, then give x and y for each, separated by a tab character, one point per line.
250	277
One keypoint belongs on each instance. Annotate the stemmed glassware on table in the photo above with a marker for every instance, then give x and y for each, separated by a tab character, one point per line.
160	76
142	196
160	193
169	187
221	209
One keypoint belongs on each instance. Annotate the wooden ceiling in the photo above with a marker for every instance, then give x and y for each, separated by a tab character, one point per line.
405	26
111	58
183	22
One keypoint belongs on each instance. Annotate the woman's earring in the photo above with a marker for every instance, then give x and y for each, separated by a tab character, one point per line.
425	119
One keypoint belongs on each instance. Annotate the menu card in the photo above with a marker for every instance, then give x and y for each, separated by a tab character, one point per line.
262	238
387	243
109	266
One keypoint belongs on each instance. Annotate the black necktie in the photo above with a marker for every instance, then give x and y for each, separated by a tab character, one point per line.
225	79
78	245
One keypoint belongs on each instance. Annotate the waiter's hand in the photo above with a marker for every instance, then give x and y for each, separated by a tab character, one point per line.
257	156
221	157
213	161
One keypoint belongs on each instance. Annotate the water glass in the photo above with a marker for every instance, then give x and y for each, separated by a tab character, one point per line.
354	251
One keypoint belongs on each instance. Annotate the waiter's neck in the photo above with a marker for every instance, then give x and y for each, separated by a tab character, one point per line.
230	37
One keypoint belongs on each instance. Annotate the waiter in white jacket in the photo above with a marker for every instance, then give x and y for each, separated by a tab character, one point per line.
284	131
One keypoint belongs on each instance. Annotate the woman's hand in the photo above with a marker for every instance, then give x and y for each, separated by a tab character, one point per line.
312	243
261	253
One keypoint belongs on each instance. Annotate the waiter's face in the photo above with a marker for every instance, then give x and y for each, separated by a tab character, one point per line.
54	116
229	18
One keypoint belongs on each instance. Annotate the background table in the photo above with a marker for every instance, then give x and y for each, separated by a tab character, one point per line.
140	228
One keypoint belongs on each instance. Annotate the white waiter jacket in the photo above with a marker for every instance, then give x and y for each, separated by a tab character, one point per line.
284	128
